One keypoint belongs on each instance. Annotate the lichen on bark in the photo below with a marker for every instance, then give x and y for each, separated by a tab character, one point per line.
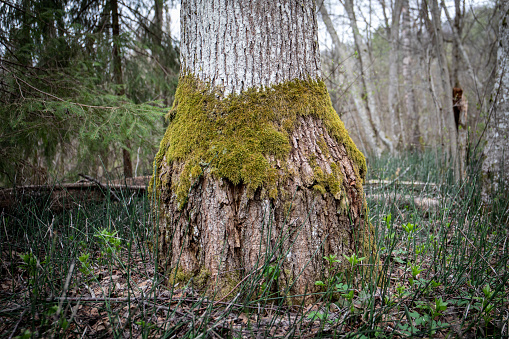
243	137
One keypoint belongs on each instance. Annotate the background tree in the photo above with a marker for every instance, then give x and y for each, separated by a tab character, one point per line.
70	101
255	164
496	163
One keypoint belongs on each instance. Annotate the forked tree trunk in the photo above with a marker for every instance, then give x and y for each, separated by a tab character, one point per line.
255	163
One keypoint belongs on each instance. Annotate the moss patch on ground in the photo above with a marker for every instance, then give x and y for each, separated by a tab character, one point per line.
234	137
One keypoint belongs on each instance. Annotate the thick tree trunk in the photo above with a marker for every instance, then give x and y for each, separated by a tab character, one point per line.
496	163
255	163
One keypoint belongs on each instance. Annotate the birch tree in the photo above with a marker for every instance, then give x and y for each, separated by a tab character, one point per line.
255	164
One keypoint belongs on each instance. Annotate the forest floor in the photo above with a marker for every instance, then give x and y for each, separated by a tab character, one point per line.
90	271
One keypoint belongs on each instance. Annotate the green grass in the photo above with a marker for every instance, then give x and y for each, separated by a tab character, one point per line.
89	271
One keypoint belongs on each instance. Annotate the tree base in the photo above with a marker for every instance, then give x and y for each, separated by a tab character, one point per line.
229	231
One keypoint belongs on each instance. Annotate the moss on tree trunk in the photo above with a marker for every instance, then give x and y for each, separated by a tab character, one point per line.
263	172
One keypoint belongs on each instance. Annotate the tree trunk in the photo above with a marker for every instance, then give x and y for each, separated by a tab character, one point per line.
496	163
368	89
394	111
117	75
360	107
445	94
255	164
412	121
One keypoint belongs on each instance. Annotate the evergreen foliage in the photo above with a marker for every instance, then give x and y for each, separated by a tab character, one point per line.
61	110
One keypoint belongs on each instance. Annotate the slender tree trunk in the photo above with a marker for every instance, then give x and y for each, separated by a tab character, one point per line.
496	163
255	165
117	74
360	107
459	50
393	74
412	121
445	95
368	89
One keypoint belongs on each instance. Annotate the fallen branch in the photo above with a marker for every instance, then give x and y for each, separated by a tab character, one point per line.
98	183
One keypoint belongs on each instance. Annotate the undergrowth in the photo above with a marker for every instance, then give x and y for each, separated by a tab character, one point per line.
89	271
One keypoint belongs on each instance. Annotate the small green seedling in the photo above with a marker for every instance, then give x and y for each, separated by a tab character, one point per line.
409	228
353	259
86	267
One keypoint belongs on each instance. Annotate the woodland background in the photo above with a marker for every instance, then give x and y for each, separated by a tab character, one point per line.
86	85
84	89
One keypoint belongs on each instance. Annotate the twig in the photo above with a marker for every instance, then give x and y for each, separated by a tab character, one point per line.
100	184
17	324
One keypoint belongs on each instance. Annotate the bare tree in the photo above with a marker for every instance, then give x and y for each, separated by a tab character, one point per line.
444	95
366	79
496	163
412	116
362	114
255	164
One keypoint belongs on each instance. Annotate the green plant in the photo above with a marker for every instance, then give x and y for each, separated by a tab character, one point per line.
109	242
86	267
353	259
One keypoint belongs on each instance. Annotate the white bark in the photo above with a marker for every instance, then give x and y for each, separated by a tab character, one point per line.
393	74
224	47
496	152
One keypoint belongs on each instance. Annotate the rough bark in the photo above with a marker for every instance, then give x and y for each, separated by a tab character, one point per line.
222	214
229	35
496	163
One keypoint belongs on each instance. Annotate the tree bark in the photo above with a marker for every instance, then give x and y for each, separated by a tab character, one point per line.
496	163
255	165
394	111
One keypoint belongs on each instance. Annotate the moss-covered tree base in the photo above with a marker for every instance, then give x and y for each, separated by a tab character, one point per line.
264	172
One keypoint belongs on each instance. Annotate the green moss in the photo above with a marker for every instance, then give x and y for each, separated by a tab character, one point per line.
323	146
234	137
320	188
199	279
179	276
